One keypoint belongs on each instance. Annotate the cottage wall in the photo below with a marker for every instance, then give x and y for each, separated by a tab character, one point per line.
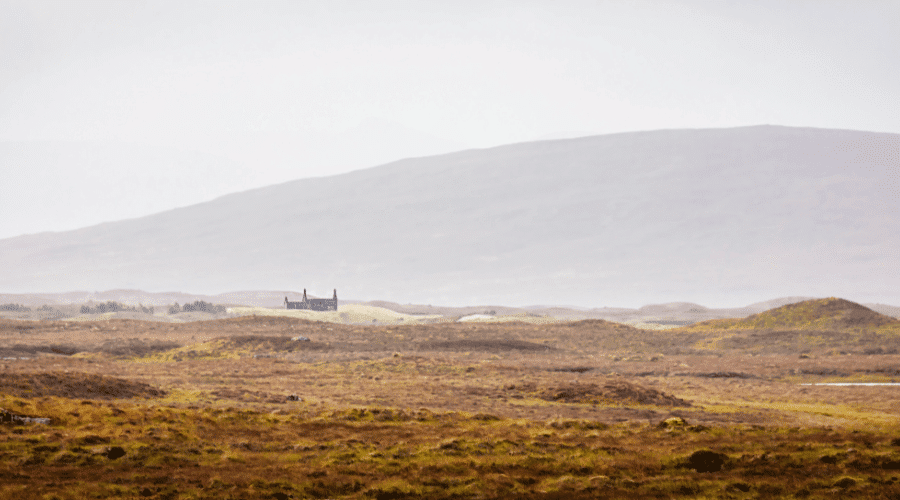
313	304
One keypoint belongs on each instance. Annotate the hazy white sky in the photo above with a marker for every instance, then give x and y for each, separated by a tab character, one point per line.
231	95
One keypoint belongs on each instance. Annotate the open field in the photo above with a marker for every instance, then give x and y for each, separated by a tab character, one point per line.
244	408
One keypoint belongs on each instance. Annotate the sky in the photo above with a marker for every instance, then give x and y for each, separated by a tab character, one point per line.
112	110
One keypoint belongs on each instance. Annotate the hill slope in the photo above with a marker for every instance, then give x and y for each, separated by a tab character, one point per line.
717	216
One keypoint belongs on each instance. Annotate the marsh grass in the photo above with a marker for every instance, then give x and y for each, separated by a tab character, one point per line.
372	452
567	410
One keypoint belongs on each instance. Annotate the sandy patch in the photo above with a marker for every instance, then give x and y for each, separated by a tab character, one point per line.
476	317
523	317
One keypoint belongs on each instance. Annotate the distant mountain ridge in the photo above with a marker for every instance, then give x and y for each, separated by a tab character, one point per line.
712	216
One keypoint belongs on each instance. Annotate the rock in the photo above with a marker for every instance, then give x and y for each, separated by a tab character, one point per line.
706	461
300	338
115	452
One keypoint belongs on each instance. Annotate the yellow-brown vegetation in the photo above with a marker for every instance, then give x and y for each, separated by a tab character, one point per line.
238	408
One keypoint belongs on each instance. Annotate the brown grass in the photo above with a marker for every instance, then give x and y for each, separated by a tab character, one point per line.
116	450
201	410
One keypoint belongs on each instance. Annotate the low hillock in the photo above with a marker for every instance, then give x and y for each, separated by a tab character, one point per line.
830	314
74	385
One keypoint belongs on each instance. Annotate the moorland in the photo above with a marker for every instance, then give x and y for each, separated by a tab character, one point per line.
284	407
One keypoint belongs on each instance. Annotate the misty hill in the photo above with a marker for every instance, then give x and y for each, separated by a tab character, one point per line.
163	176
47	171
718	216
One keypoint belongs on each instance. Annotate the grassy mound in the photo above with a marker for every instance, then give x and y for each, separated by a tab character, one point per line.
74	385
609	393
238	346
832	314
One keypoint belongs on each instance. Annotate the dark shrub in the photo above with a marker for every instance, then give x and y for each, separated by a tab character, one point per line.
706	461
14	307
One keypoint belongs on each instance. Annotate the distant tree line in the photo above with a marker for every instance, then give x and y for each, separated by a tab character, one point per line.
199	306
14	307
113	306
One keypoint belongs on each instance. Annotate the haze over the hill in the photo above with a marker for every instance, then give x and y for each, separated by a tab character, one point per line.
719	217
